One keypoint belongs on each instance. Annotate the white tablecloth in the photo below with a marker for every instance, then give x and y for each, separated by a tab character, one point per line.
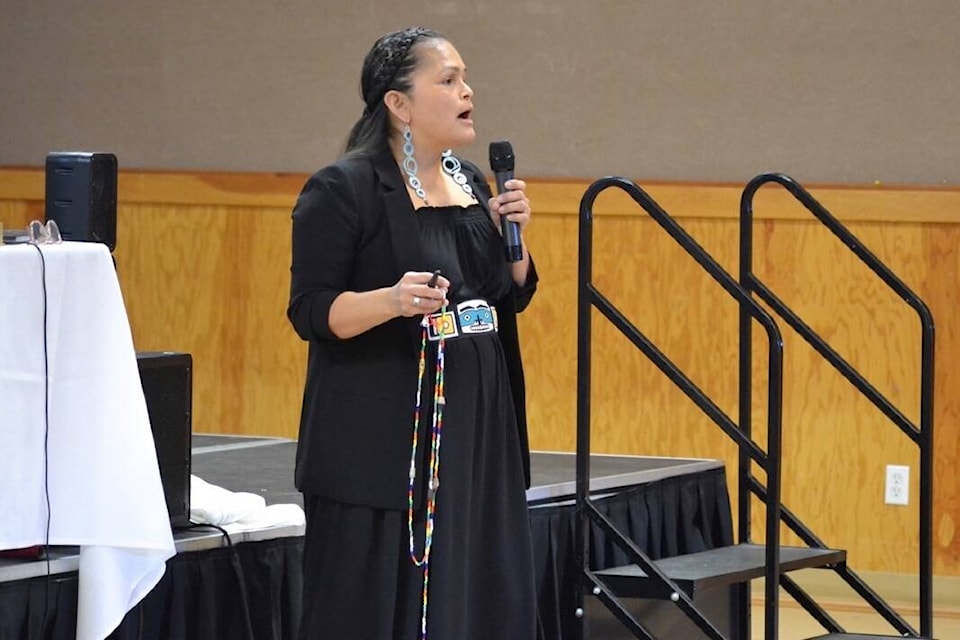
101	468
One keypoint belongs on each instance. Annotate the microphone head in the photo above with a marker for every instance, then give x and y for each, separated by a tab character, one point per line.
501	156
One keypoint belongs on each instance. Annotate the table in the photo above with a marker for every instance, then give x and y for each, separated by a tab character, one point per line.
74	429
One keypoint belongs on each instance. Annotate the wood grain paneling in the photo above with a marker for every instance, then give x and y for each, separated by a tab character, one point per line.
203	261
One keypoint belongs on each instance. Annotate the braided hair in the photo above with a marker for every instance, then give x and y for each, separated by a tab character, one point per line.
387	67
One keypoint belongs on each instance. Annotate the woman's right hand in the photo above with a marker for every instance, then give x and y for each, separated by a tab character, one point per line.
412	294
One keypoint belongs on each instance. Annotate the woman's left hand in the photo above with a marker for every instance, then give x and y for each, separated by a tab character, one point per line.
513	203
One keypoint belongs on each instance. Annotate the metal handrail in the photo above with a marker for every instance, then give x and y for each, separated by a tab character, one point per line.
922	436
588	296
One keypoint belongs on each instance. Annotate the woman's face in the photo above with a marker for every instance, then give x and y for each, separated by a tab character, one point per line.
440	100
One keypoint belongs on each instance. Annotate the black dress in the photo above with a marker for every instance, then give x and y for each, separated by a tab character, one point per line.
481	584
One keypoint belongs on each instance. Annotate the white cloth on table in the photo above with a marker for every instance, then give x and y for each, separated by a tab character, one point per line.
73	382
237	511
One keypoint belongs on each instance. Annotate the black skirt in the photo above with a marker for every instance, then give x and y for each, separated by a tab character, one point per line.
359	579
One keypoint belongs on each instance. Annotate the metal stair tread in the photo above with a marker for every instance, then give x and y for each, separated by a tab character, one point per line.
720	566
855	636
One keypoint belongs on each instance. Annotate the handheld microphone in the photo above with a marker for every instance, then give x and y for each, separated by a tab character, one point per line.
501	162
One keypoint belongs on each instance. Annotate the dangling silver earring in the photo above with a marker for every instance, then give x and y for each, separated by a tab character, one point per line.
410	164
452	168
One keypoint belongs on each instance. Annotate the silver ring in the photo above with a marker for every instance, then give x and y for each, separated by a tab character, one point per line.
416	301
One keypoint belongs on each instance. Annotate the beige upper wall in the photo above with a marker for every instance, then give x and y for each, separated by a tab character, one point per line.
831	91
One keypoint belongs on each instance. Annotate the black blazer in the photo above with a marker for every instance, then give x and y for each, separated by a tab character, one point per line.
354	229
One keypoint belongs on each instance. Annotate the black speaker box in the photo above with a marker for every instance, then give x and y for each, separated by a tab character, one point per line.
81	195
167	383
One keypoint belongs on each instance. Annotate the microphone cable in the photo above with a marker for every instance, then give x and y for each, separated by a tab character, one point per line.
46	436
237	570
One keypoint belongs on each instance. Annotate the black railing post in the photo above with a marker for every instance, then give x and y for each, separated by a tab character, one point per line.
771	597
926	475
745	407
775	438
582	533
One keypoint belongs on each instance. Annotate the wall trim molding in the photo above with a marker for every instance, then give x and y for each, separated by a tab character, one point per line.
849	203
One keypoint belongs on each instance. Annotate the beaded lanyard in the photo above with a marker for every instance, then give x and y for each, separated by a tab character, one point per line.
438	401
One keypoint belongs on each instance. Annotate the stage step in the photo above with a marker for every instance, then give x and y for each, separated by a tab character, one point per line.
721	566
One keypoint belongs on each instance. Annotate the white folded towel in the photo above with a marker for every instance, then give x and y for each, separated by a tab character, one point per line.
238	510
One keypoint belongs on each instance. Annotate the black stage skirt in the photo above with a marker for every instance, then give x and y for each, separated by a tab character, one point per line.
359	580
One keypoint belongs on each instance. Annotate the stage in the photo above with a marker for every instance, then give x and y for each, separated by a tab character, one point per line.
251	589
227	461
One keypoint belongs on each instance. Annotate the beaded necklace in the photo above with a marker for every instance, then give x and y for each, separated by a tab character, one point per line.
439	399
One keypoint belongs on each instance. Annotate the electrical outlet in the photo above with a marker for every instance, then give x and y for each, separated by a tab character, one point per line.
897	488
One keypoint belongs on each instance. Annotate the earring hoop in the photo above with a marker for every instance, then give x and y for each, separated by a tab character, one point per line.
410	164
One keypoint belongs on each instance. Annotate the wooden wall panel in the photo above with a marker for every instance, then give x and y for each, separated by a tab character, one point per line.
828	428
203	261
212	281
